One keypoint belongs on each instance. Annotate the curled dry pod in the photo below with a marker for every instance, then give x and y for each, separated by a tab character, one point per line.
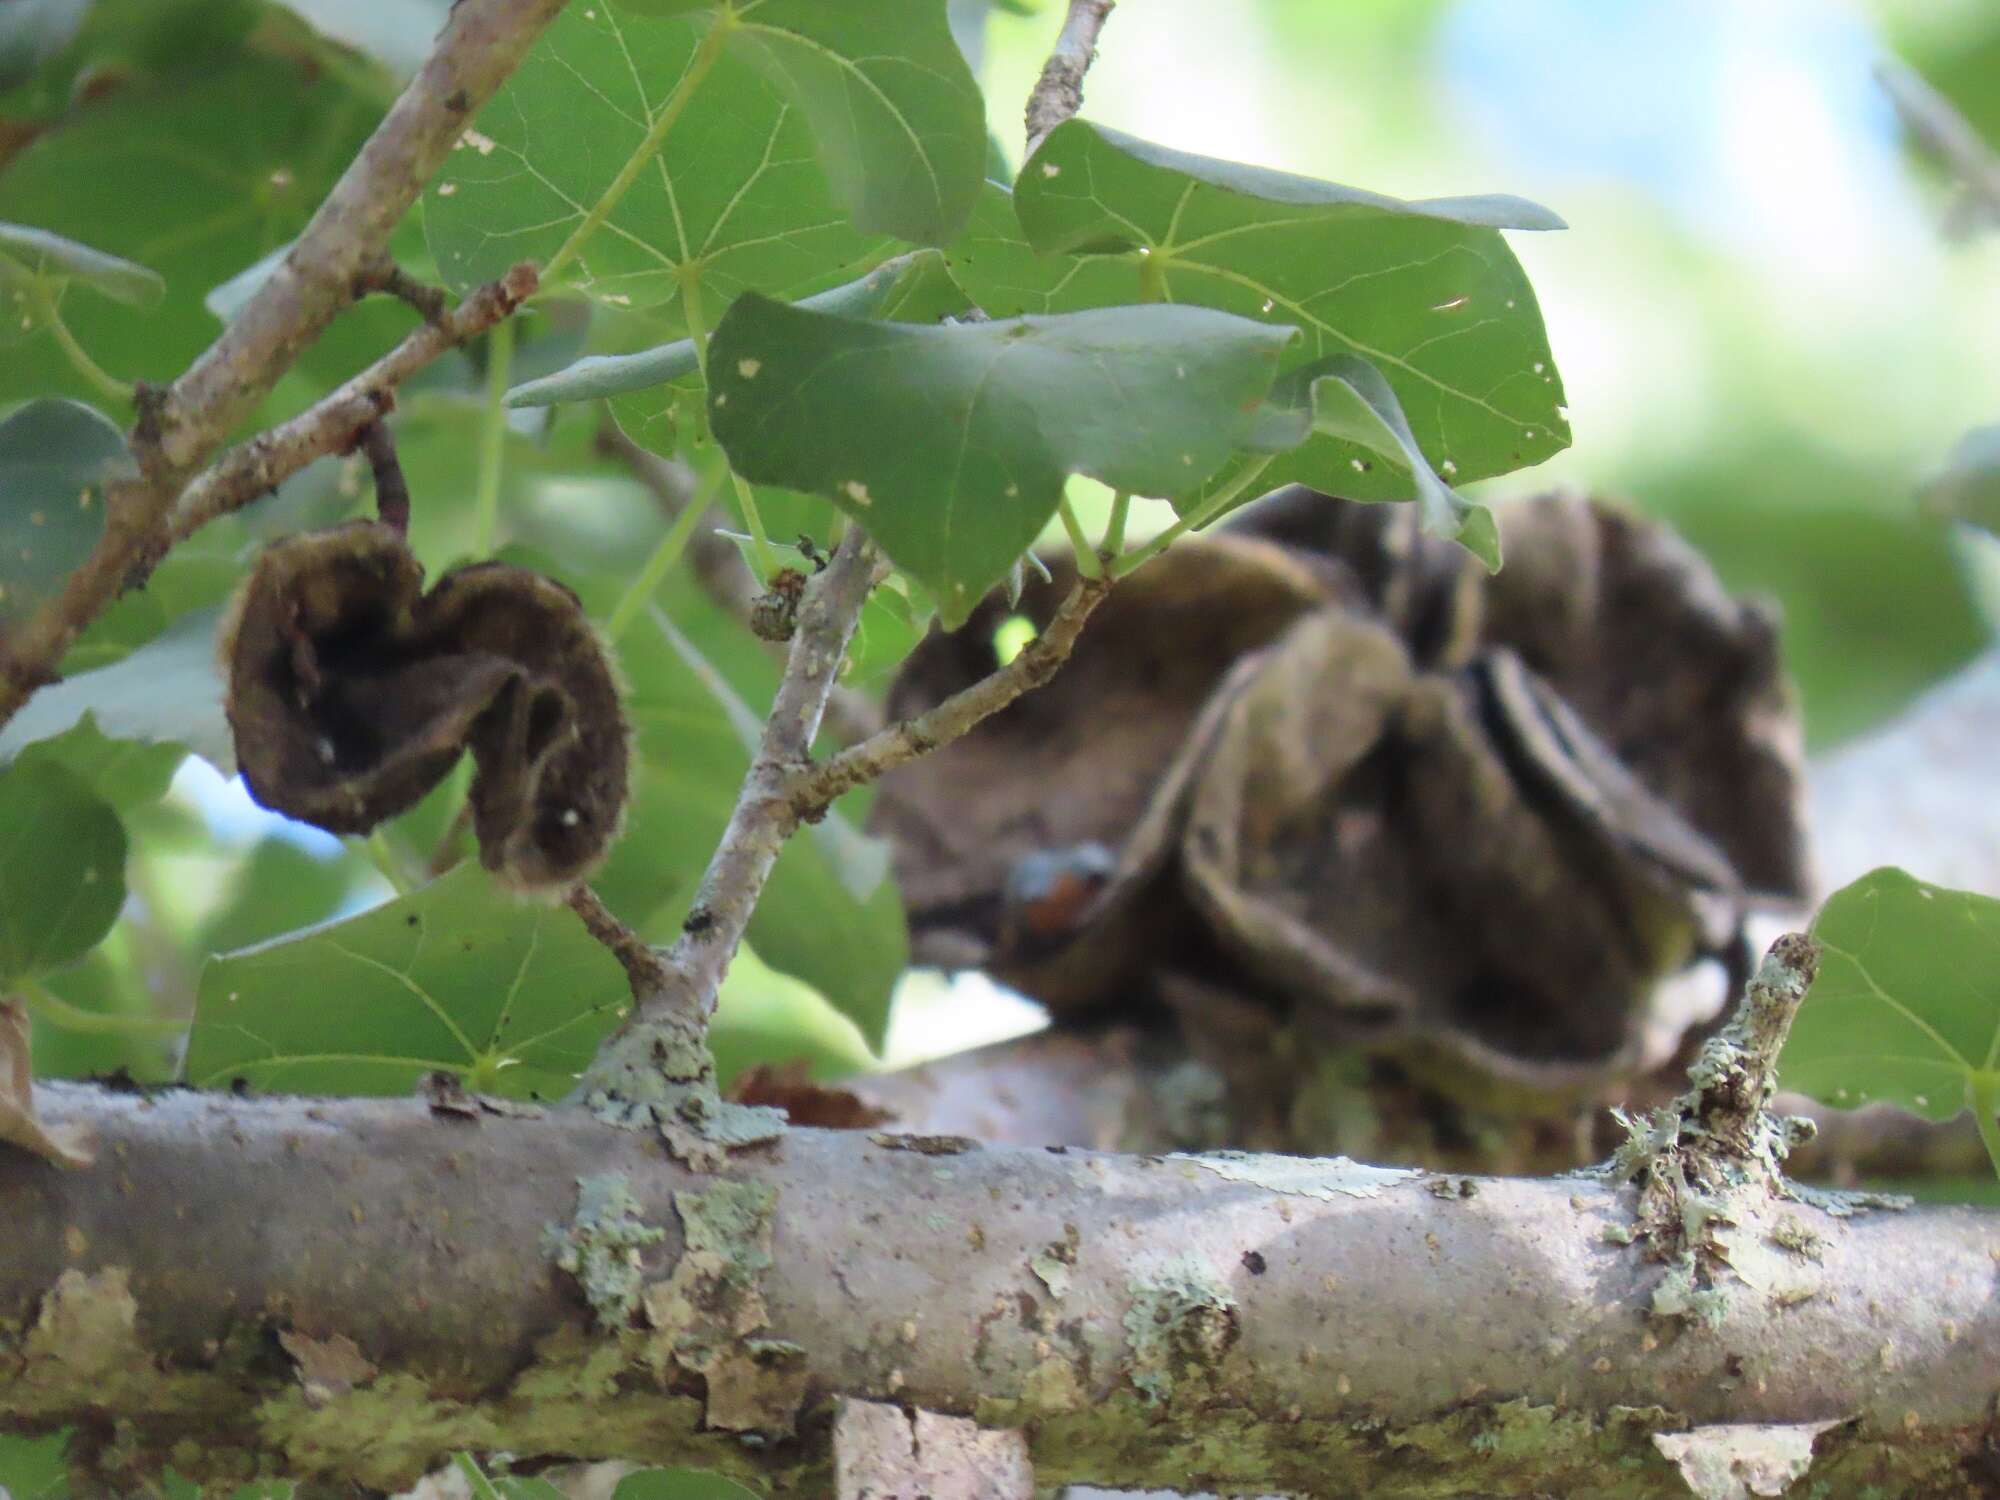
351	693
1473	822
1010	840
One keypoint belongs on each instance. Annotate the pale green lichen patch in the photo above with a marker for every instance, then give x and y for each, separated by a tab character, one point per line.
1324	1178
706	1310
660	1075
84	1344
1181	1322
602	1247
1055	1266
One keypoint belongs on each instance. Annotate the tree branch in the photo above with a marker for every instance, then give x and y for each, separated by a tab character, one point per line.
815	788
1058	93
1223	1322
343	245
764	817
330	425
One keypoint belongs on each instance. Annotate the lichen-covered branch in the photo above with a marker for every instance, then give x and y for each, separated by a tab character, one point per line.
1058	93
815	788
341	248
331	424
1215	1322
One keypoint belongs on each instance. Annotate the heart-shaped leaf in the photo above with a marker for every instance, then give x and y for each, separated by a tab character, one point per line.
457	976
1906	1007
1346	398
951	444
62	870
1428	292
729	197
55	460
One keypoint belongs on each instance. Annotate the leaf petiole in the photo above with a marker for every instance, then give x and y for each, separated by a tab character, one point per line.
59	1012
1210	509
1086	555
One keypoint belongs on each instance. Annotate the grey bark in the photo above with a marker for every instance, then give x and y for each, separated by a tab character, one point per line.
1195	1322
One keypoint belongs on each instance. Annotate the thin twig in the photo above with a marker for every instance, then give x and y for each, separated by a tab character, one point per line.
764	817
331	424
1939	128
813	789
643	965
1058	93
392	280
180	427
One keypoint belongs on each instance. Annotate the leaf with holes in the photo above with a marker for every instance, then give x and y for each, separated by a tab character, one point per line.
56	458
1428	292
456	977
951	444
732	197
1906	1007
1346	398
62	870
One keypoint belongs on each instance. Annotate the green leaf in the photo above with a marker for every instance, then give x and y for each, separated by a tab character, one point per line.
951	444
733	198
1346	398
679	1484
168	692
125	773
55	460
898	122
279	889
1906	1008
192	178
56	259
1428	292
457	976
911	288
1968	489
1006	275
35	1468
62	870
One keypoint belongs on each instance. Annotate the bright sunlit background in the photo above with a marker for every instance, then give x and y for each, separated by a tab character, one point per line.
1764	331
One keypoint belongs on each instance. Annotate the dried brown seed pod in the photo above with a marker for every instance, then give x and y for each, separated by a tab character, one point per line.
1459	818
351	693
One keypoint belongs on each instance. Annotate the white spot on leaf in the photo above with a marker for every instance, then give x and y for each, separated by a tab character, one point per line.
483	144
856	491
748	368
